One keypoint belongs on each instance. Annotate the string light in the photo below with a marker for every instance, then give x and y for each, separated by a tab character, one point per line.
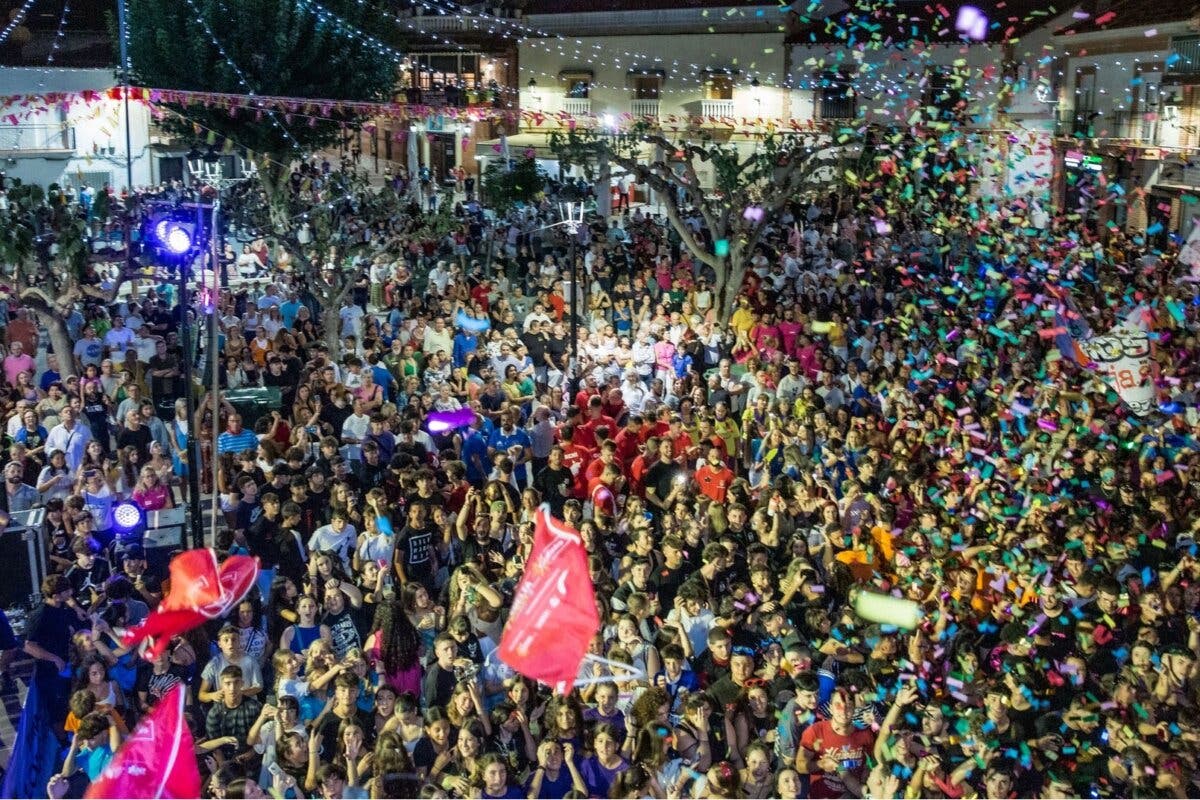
57	42
16	21
241	76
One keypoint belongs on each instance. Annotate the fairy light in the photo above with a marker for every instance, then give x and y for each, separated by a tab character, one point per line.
16	21
57	42
241	76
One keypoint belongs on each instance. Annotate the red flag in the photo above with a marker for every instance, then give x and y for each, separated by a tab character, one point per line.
200	590
554	612
157	760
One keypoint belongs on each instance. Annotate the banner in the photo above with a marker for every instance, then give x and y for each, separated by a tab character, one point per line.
1122	357
158	759
554	612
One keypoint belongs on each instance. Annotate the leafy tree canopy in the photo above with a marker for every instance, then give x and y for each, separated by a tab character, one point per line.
281	47
522	183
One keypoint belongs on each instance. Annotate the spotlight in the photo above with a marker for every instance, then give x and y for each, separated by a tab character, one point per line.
128	518
177	240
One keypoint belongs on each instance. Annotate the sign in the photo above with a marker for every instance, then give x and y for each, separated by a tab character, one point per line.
157	761
1122	358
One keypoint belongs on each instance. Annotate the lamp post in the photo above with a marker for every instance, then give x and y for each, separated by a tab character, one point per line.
571	219
206	169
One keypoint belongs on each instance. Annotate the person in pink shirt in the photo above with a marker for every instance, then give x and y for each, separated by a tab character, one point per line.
664	364
789	331
16	362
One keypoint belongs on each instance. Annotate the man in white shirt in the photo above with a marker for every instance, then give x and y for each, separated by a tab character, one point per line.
437	337
351	316
119	338
70	437
337	537
354	430
633	392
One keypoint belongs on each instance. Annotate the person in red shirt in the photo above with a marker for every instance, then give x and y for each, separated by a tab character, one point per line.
614	403
715	478
575	458
640	465
607	454
685	447
585	432
834	752
583	397
629	439
604	489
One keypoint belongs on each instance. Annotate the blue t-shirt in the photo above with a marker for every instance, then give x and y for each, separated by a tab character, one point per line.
94	761
475	444
288	312
501	441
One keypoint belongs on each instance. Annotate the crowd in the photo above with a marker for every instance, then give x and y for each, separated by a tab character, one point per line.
879	413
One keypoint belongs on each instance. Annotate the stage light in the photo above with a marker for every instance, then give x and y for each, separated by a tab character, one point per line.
128	518
177	240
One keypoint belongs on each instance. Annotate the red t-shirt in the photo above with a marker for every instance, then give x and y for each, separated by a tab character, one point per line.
575	458
714	482
850	751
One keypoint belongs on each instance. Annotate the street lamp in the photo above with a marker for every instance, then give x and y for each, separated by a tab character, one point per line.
206	169
570	213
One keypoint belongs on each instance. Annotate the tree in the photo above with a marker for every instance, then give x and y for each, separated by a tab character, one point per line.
266	47
339	234
504	188
44	247
281	48
749	190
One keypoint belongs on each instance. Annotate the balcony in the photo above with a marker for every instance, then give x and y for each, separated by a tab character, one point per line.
37	138
577	106
837	106
716	108
1184	59
644	108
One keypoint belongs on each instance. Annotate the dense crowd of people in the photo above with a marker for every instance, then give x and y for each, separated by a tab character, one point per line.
882	411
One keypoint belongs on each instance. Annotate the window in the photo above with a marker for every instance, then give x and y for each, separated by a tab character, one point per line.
718	87
578	88
835	96
647	87
1085	101
439	70
944	98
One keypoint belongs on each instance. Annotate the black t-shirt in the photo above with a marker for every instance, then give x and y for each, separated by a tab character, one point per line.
261	536
157	686
661	478
344	631
139	438
163	387
82	580
329	729
555	487
536	344
52	627
414	549
668	582
556	348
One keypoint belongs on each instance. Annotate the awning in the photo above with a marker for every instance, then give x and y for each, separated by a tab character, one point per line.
652	72
576	75
718	71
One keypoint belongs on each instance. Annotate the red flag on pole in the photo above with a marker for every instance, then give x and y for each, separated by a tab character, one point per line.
157	761
554	612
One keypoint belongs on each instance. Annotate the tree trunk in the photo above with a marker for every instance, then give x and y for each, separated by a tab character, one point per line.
60	340
729	282
331	322
604	188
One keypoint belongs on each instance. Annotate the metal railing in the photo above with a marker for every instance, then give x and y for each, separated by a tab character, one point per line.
716	108
837	108
1185	56
644	108
37	137
577	105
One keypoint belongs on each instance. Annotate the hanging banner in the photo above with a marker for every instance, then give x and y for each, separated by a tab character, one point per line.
1122	357
554	613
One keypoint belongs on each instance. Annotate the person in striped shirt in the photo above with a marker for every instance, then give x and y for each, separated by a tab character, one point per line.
235	439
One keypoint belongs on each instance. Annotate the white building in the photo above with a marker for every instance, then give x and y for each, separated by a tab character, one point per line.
81	143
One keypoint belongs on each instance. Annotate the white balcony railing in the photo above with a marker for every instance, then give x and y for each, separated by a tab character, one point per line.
37	137
644	108
577	106
716	108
